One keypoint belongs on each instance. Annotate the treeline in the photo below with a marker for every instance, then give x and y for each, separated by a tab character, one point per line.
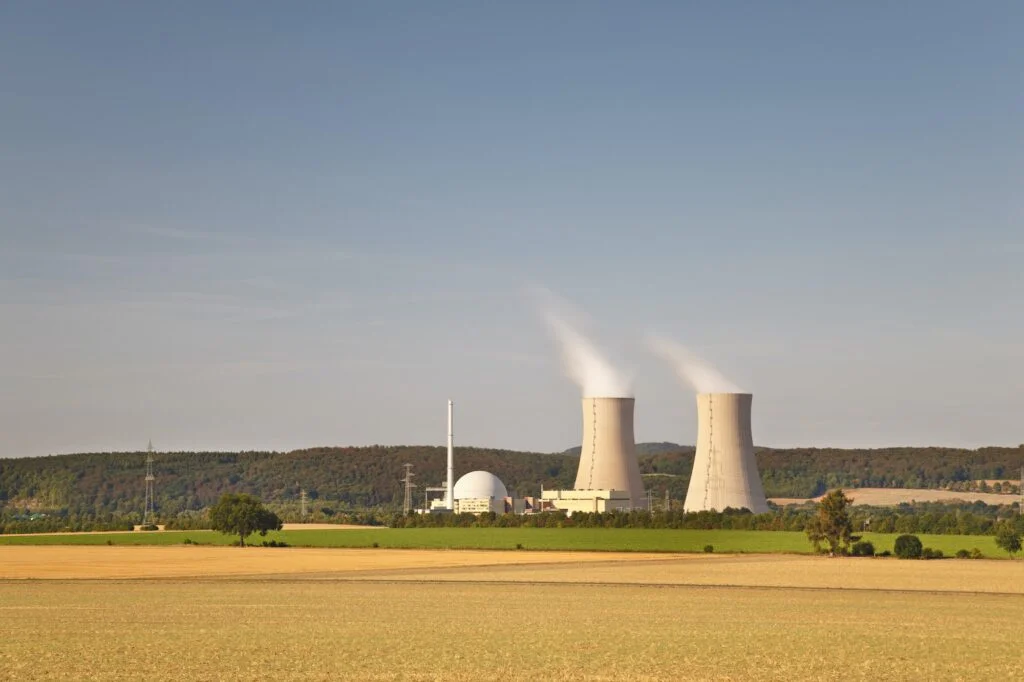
923	517
809	472
108	488
930	517
926	517
99	484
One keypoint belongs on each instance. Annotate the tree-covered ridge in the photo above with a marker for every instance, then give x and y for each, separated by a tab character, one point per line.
363	477
809	472
106	485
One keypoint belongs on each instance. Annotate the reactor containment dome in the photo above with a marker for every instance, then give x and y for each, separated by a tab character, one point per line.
479	485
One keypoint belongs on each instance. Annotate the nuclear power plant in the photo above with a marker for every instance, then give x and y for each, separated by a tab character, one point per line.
724	475
724	470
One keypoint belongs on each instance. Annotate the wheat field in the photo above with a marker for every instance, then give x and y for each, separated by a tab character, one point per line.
227	613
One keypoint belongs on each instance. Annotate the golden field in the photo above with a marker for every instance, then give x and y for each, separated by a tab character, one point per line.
889	497
213	613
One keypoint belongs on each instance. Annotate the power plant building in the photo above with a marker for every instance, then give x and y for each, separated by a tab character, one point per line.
591	501
725	471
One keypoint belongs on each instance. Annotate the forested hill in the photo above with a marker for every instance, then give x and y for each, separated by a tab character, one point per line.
104	484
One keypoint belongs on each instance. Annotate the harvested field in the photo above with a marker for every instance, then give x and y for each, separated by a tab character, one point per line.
85	562
407	615
886	497
325	526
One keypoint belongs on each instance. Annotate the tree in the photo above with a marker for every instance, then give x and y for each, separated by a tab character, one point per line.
908	547
832	523
242	515
1008	538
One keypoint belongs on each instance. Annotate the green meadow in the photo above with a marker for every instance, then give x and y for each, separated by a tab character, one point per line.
584	539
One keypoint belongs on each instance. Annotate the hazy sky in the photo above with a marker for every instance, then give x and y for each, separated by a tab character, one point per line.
284	225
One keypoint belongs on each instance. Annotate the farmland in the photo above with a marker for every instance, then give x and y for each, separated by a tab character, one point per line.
573	539
885	497
186	612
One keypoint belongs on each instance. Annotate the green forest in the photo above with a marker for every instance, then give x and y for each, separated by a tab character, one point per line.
108	488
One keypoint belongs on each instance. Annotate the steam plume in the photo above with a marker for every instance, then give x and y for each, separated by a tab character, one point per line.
582	361
693	370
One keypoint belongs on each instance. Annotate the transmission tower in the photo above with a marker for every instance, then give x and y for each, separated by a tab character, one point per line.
149	515
407	504
303	499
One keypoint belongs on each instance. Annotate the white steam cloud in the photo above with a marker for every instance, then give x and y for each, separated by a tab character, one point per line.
582	361
692	369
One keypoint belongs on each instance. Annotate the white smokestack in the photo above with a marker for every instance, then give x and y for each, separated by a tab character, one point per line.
449	501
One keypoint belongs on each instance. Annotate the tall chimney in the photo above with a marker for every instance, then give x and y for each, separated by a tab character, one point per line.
724	469
449	501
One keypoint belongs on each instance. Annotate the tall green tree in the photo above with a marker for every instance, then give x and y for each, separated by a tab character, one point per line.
1008	538
831	525
242	515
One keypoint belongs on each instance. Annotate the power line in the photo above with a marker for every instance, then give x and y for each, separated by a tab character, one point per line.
408	480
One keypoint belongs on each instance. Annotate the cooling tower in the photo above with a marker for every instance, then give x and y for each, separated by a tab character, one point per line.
724	470
608	455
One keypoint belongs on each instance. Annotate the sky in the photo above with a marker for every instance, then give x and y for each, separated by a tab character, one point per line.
272	225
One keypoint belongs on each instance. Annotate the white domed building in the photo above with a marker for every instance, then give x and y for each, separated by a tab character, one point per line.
478	492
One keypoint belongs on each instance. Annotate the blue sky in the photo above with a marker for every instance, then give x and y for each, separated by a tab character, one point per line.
259	225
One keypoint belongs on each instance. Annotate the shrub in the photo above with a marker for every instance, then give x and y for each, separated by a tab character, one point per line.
376	544
708	549
885	553
963	554
148	526
274	543
929	553
862	548
519	545
976	554
908	547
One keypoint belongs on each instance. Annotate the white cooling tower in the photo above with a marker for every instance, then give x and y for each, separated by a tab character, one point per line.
724	469
608	454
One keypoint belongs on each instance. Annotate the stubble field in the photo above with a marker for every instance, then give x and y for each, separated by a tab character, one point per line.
318	614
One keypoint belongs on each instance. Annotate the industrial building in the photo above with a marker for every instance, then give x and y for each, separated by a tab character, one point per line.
724	470
592	501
